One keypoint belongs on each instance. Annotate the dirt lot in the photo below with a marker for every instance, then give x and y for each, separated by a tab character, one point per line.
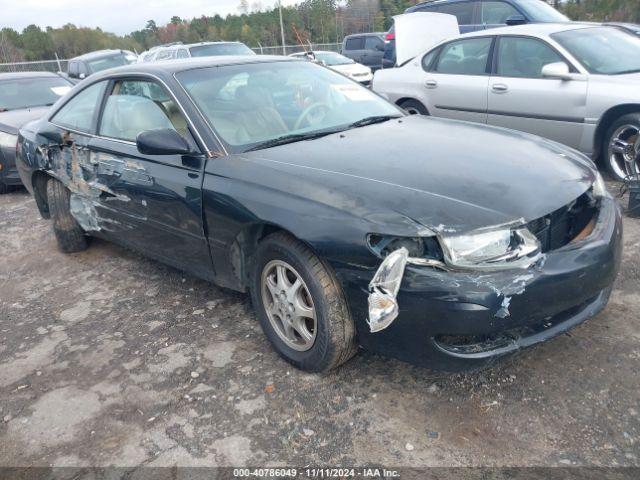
107	358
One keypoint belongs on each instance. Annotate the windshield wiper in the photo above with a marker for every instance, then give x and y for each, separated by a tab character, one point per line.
371	120
291	138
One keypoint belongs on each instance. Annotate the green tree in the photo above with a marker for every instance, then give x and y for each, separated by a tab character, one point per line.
36	44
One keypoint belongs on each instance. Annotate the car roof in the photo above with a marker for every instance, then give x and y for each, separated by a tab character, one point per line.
174	66
438	2
198	44
534	29
366	34
99	54
19	75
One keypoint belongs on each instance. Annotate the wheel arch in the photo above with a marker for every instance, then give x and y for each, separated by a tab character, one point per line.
245	245
606	120
39	180
404	99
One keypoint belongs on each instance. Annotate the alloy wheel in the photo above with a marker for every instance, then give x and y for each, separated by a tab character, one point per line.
289	305
624	151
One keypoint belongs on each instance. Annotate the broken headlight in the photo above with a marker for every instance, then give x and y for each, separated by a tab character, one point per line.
383	290
599	188
495	249
425	247
8	140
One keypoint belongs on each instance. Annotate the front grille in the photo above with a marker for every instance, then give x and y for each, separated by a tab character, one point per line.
562	226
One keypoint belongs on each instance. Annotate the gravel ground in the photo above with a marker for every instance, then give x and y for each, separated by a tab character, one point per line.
107	358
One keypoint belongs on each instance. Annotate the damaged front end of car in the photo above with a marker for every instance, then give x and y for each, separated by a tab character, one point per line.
481	271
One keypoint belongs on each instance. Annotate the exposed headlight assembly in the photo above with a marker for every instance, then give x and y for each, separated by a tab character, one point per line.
492	250
8	140
383	289
599	188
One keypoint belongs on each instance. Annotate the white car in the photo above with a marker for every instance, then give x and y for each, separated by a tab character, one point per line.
176	50
340	64
578	84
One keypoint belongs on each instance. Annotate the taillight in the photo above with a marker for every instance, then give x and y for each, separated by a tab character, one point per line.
390	36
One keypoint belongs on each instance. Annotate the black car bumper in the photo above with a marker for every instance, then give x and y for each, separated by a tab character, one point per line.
461	320
8	171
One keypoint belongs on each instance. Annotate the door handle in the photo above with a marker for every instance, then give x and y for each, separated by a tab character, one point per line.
431	84
499	88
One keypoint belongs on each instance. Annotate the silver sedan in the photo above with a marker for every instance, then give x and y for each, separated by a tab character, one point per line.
578	84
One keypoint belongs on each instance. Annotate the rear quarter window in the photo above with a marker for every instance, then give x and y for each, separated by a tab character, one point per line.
79	112
354	43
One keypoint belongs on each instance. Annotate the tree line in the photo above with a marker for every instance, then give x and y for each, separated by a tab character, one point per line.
315	21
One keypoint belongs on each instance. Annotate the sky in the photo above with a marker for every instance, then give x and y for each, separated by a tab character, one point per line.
117	16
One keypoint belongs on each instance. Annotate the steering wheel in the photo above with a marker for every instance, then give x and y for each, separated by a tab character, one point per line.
307	111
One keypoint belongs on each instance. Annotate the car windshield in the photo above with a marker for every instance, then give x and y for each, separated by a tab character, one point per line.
332	58
111	61
216	49
249	104
602	50
31	92
540	11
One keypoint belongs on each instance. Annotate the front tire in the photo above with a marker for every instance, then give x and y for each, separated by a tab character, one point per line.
413	107
70	236
300	305
621	146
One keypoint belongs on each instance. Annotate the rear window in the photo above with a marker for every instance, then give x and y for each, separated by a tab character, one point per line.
219	49
462	11
31	92
373	43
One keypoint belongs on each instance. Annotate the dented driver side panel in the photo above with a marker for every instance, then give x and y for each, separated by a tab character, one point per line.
149	204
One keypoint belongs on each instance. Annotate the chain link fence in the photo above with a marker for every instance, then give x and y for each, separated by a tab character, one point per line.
43	66
289	49
61	65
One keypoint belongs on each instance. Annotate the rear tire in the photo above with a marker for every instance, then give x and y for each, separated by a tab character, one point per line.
621	142
332	341
413	107
70	236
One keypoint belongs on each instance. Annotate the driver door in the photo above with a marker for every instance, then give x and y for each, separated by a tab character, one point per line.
155	201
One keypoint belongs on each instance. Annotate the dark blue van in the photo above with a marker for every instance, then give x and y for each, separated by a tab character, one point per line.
475	15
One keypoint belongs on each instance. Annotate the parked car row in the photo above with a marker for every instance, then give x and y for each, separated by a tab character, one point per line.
566	82
473	15
350	223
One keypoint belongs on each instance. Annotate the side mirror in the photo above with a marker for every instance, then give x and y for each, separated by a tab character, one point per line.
558	70
515	20
163	141
380	47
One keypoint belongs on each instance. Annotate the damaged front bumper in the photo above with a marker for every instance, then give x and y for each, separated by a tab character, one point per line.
456	320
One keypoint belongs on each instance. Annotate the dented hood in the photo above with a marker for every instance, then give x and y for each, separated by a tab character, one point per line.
419	31
443	174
